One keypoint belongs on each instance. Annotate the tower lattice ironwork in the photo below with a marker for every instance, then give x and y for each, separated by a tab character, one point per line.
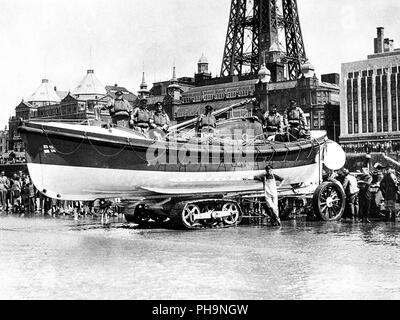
254	32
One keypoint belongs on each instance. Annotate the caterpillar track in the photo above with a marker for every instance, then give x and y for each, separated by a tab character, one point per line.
189	215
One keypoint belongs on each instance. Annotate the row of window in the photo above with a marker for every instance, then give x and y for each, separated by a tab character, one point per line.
383	104
44	112
217	94
370	73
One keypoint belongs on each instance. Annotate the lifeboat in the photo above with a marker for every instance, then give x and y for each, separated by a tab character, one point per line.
87	162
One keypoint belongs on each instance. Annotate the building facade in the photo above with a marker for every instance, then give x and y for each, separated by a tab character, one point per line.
49	103
317	98
370	96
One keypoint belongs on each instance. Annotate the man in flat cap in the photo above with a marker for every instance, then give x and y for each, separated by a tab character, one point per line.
295	121
160	121
160	118
206	123
141	116
120	111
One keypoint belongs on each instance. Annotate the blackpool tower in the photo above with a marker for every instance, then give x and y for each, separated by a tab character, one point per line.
264	32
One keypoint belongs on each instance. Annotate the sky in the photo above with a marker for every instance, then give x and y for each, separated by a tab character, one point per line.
119	39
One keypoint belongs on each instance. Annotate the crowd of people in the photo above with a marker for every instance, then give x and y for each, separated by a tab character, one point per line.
373	147
18	195
370	194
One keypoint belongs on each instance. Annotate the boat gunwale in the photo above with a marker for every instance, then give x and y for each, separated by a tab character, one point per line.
271	146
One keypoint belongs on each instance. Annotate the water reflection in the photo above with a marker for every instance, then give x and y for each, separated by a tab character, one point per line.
59	258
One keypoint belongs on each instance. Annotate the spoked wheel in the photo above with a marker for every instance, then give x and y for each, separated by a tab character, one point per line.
234	211
189	212
329	201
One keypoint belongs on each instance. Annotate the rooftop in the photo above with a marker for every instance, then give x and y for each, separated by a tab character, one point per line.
44	93
90	85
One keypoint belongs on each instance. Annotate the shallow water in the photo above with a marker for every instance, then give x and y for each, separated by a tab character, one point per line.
58	258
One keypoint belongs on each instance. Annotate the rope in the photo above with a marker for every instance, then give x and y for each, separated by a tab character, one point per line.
63	153
300	151
106	155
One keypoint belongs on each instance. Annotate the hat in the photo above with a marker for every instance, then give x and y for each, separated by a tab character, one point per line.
208	107
158	104
119	93
268	167
292	102
345	171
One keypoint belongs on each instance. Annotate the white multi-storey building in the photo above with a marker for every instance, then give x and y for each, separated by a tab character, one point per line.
370	96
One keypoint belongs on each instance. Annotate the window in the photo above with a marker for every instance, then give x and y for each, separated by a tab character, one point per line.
349	107
385	104
378	104
364	105
364	73
394	69
355	105
370	73
350	75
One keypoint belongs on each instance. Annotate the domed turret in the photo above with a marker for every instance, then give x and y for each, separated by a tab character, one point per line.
264	74
307	70
203	59
202	65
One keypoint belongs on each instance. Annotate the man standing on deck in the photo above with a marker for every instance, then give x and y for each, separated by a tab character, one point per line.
141	116
258	112
271	193
120	111
206	123
160	121
273	121
295	121
160	118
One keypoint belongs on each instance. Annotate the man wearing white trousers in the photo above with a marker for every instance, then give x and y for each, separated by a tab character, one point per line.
271	193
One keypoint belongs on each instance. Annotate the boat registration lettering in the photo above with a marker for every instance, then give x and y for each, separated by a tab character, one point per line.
48	148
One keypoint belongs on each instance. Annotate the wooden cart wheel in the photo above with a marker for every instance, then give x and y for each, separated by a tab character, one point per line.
329	201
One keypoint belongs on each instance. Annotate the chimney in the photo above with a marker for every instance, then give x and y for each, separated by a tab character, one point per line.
55	88
378	41
386	45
